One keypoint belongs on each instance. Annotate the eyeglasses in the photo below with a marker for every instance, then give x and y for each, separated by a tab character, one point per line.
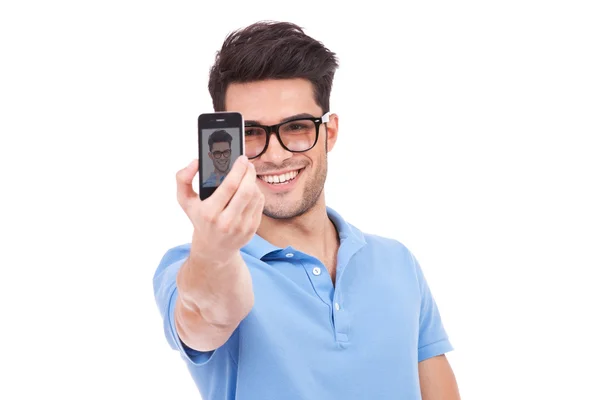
297	135
218	154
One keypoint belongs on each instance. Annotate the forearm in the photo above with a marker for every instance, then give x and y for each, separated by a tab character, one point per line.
437	379
212	300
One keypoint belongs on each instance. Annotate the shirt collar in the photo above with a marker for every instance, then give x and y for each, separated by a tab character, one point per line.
345	230
259	247
349	236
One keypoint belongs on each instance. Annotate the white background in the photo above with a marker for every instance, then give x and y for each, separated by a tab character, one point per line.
481	121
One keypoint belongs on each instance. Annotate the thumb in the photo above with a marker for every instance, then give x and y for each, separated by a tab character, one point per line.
185	177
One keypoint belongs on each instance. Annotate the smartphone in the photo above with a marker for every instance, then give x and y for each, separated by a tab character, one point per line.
220	143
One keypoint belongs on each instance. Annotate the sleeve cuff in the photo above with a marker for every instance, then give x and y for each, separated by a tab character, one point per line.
435	349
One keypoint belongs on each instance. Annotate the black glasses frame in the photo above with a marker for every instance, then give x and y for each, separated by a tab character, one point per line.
270	129
219	154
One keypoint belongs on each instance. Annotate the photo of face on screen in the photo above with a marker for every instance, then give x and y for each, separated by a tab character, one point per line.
221	147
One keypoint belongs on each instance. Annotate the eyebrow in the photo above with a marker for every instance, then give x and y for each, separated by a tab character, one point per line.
301	115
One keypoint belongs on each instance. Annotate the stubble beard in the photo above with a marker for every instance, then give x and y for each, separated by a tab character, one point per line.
280	208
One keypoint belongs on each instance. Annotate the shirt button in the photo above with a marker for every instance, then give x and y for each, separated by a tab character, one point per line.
317	271
289	255
337	306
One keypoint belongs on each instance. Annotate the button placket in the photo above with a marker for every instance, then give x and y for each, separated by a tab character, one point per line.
340	315
340	318
319	278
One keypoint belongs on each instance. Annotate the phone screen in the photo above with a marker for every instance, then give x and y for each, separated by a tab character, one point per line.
220	137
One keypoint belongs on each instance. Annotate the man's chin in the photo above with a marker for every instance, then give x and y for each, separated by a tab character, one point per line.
281	206
281	213
295	202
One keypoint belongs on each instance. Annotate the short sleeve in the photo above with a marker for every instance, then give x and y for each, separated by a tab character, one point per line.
165	294
433	339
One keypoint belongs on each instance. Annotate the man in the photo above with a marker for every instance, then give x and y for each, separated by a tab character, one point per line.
219	146
277	296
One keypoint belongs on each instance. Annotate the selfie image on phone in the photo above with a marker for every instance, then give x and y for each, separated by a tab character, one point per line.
220	140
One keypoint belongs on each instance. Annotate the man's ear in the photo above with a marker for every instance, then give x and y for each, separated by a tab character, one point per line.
210	155
332	131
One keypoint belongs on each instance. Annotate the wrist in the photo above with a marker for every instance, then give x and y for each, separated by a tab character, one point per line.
202	259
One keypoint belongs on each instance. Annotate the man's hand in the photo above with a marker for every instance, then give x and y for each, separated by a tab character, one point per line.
228	219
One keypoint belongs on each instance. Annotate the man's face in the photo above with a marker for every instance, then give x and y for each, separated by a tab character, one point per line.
268	103
221	164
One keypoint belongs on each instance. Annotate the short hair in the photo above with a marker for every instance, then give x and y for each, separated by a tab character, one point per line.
272	50
219	136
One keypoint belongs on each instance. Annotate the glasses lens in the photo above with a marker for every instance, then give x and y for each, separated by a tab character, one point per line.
255	140
219	154
298	135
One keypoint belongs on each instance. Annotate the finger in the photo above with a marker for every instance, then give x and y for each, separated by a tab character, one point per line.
257	211
252	213
242	197
184	178
223	194
248	211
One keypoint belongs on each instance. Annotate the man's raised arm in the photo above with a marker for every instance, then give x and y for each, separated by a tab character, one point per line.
214	284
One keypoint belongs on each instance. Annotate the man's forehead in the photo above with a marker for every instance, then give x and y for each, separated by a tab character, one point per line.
221	145
272	101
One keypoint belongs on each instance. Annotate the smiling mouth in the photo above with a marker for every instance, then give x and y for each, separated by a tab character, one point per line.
280	179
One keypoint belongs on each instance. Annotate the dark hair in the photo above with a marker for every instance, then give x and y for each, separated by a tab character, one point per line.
272	50
219	137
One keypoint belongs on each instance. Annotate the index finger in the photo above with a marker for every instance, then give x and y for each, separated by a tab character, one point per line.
223	194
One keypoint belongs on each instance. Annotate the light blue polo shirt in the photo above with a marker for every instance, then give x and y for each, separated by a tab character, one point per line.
212	180
308	340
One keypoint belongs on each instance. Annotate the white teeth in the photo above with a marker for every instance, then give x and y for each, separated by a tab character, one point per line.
279	178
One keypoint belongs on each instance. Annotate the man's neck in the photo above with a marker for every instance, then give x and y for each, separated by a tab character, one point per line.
219	174
312	233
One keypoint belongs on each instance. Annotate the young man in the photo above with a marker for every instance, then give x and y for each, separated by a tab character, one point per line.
219	146
277	296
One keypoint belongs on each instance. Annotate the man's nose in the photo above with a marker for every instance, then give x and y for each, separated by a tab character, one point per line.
275	153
